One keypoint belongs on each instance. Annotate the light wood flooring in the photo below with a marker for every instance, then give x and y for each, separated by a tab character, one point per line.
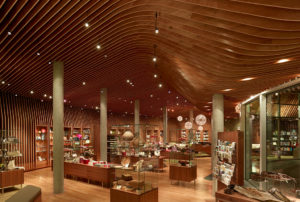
81	191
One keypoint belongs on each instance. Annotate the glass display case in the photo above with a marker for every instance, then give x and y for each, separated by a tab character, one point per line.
182	164
135	160
9	150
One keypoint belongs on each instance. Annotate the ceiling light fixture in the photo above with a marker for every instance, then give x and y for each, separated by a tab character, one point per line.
50	97
155	75
247	79
282	60
128	81
8	33
45	95
31	92
83	83
49	62
98	46
155	25
226	90
16	95
38	54
3	82
86	24
160	85
154	59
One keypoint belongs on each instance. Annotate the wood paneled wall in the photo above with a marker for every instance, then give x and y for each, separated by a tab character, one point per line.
20	116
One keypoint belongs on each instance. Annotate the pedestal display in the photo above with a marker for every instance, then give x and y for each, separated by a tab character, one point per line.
181	158
134	178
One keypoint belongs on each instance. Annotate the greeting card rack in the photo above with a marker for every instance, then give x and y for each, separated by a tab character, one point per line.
237	158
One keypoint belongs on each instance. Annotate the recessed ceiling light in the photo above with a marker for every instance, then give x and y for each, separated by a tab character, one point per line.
16	95
98	46
155	75
206	106
156	31
154	59
177	104
169	92
177	97
128	81
276	94
65	100
84	83
31	92
151	95
42	100
86	24
38	54
9	33
228	89
3	82
247	79
45	95
185	100
49	62
97	107
105	56
160	85
50	97
209	102
282	60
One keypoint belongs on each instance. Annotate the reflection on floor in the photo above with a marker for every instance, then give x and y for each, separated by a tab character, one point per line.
81	191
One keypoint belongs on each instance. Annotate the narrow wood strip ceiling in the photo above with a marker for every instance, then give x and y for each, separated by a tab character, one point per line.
203	47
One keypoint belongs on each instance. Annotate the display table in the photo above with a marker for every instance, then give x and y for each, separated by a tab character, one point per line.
117	195
11	178
205	148
94	173
183	173
235	197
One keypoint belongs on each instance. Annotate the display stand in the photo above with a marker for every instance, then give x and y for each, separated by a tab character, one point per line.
11	178
128	196
183	173
204	147
237	158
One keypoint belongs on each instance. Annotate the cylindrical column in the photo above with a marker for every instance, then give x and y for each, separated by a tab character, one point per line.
103	124
136	117
263	131
217	126
58	127
165	124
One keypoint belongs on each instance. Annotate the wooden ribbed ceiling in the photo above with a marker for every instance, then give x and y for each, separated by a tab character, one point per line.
203	47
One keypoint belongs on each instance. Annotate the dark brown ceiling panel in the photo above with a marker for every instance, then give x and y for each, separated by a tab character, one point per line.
203	47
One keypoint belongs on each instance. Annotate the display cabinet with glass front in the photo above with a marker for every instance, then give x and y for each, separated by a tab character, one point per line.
183	166
134	176
41	147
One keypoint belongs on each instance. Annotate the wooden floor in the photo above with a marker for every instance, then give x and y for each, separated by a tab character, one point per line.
81	191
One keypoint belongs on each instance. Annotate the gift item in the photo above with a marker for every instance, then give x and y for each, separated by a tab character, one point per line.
125	162
11	165
136	184
126	177
183	162
138	165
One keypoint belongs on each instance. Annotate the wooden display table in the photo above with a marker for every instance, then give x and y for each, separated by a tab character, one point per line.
117	195
11	178
205	148
183	173
99	174
235	197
